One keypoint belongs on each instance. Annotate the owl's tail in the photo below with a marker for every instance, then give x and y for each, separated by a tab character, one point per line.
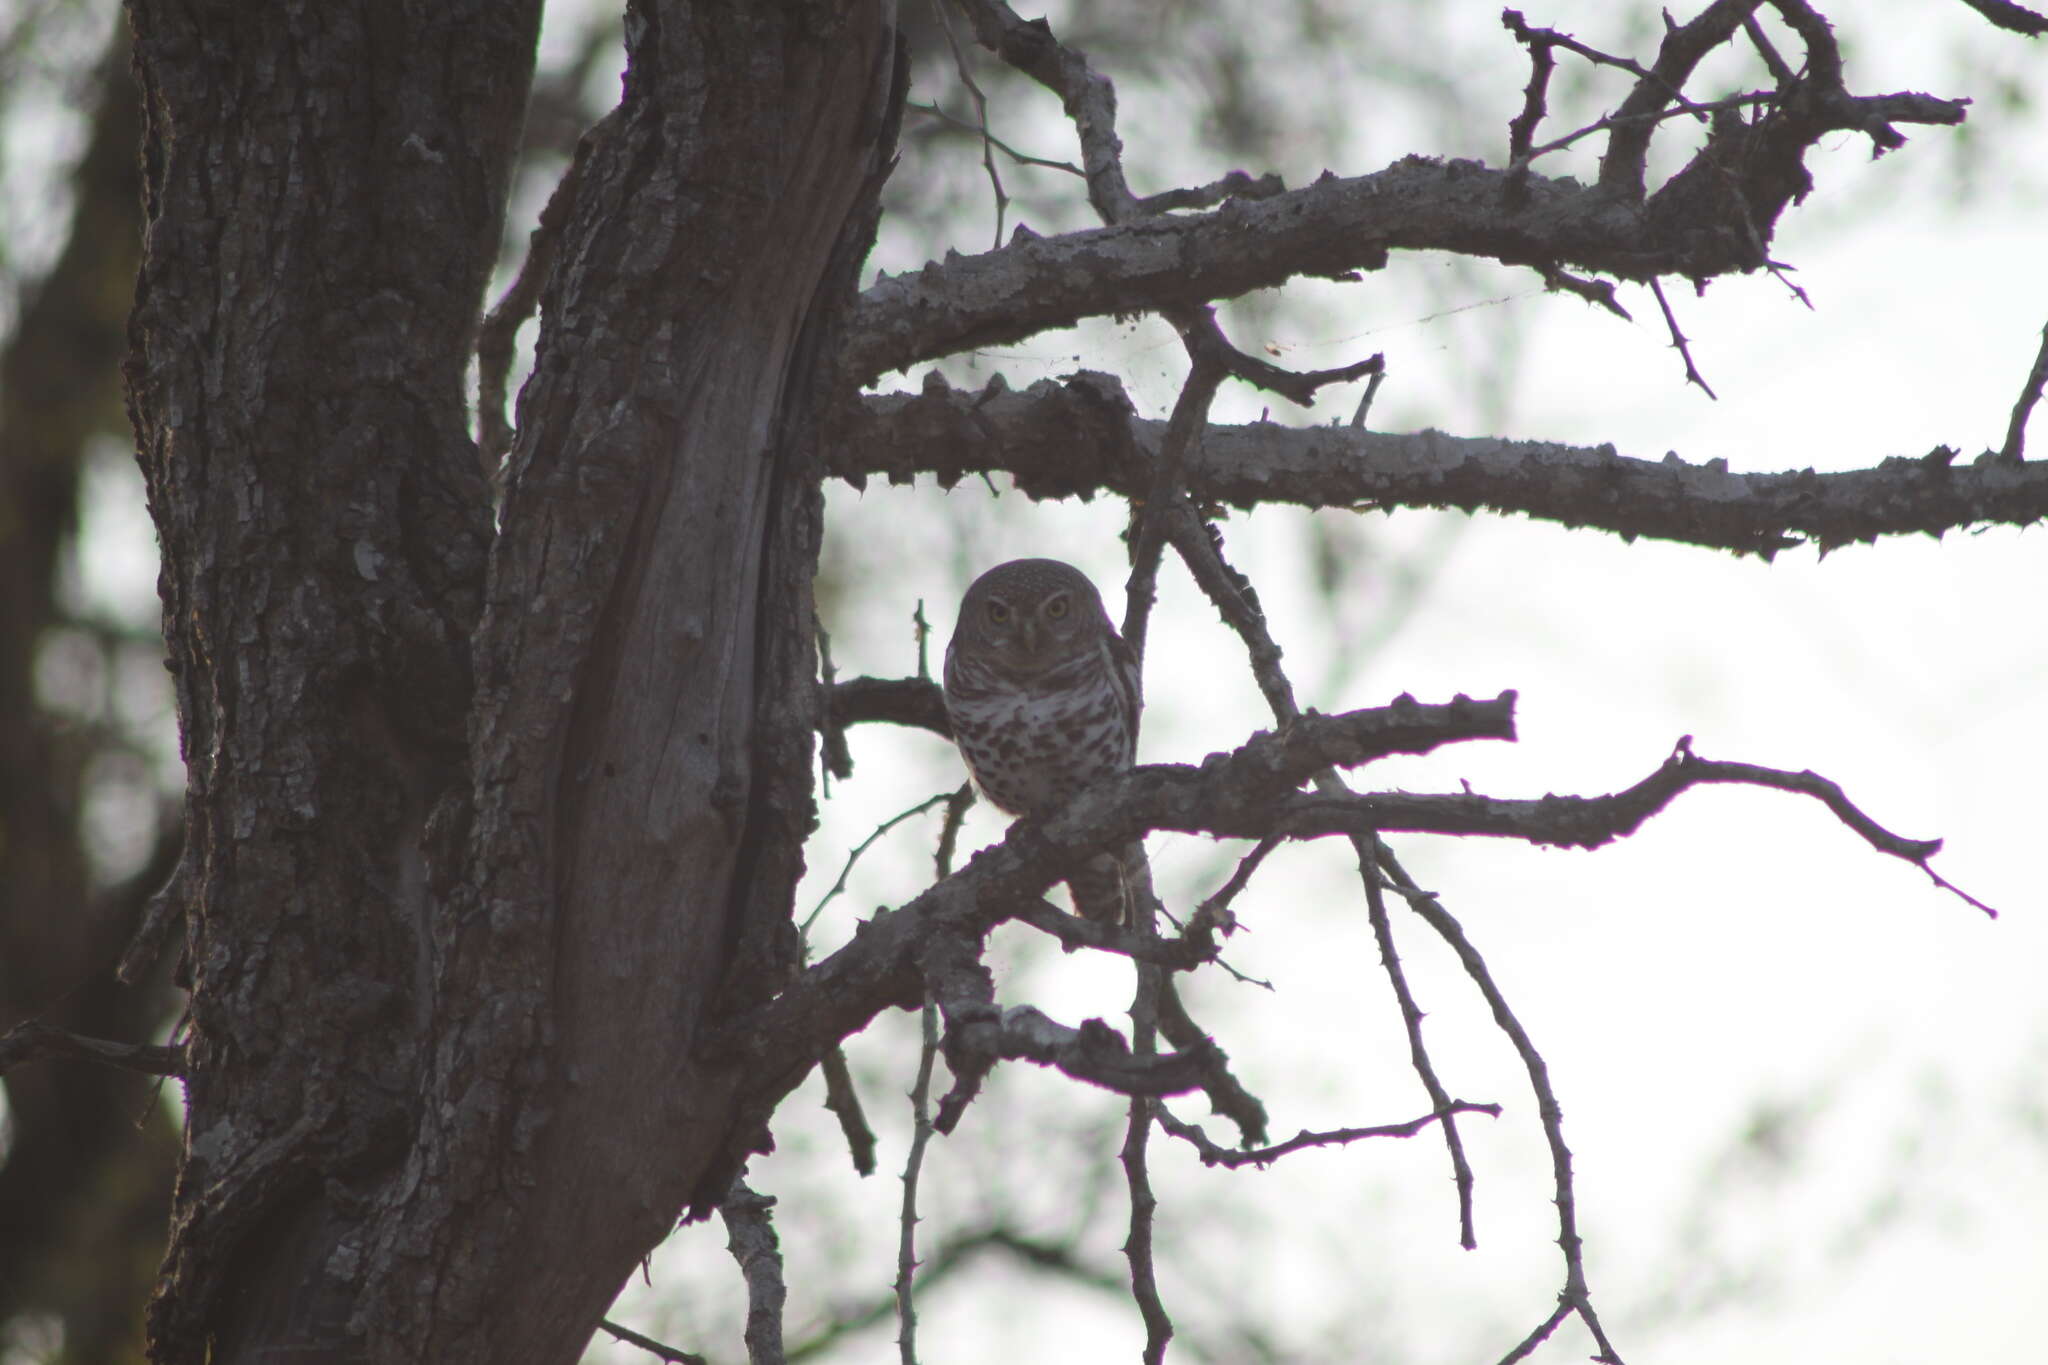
1110	887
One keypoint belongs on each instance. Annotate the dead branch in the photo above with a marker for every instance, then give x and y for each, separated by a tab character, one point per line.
2015	448
1214	1155
750	1237
1079	437
32	1040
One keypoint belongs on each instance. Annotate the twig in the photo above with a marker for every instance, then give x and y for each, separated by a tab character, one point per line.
2015	448
838	758
949	830
844	1101
1372	388
1207	346
1600	292
1678	339
981	130
1575	1294
651	1346
1148	535
1232	185
1227	1096
840	885
1522	128
1212	1154
1204	556
33	1040
1621	169
1371	849
2006	15
966	75
913	1164
1137	1175
750	1237
1780	70
1520	166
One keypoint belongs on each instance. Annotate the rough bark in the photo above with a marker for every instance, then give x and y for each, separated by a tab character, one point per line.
454	935
323	189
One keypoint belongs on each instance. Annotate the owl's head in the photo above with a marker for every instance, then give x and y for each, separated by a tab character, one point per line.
1030	615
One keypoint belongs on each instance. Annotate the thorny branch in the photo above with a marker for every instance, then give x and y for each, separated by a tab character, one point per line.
1731	194
913	1166
648	1344
1232	1157
1079	437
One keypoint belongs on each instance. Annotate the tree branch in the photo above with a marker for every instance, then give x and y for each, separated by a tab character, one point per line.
1215	1155
1330	229
1079	437
2015	448
892	956
32	1040
2006	15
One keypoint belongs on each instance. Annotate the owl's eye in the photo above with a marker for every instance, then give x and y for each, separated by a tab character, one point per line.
998	613
1056	608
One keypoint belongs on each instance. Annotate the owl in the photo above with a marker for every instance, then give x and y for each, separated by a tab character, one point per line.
1044	697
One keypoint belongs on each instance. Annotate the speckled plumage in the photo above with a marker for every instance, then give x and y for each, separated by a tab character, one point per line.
1044	699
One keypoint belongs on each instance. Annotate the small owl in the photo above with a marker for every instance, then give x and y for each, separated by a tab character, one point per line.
1044	699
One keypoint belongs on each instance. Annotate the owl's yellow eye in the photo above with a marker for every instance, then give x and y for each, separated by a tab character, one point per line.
998	613
1057	608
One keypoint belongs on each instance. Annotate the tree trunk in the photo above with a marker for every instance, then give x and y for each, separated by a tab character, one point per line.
451	939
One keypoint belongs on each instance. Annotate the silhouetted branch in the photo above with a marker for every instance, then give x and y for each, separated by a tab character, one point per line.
2015	448
1079	436
2016	18
32	1040
648	1344
1214	1155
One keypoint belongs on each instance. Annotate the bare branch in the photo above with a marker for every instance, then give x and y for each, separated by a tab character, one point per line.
1692	372
32	1040
2015	448
750	1237
1621	169
913	1166
915	702
1590	821
1214	1155
839	883
1576	1296
1079	437
651	1346
981	131
843	1100
1089	97
2006	15
1152	985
